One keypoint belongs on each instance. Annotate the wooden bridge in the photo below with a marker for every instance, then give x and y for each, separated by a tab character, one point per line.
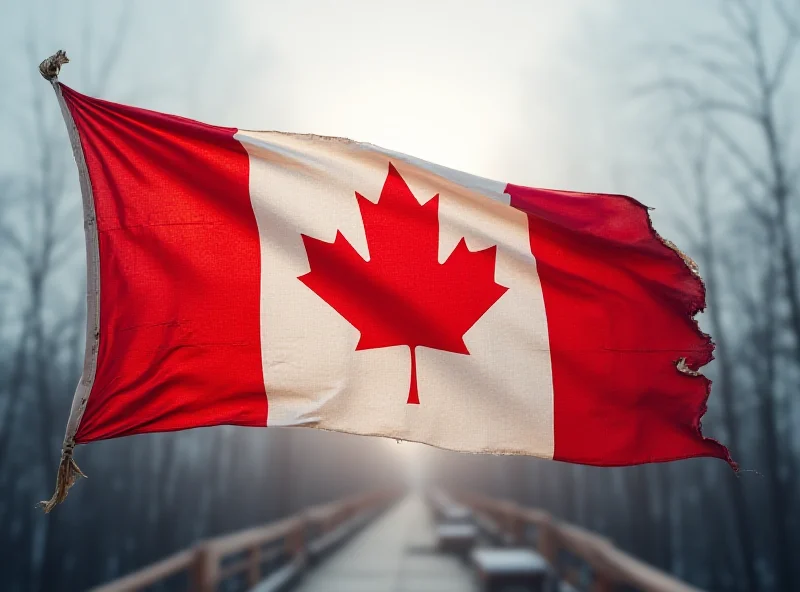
391	542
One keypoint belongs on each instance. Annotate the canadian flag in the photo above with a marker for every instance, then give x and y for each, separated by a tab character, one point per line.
274	279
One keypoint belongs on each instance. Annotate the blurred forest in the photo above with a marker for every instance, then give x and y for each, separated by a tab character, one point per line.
724	113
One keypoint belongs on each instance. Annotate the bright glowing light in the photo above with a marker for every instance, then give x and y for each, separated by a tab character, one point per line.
428	118
449	82
411	457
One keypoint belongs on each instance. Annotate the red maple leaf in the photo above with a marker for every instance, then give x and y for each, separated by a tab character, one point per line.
402	295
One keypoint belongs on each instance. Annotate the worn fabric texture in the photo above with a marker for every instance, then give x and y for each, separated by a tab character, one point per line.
272	279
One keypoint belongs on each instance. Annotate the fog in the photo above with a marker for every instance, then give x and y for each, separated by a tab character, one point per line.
671	101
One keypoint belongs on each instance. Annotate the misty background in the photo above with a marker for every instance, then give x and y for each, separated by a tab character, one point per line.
689	106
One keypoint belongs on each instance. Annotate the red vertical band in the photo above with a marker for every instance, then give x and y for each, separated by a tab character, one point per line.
180	269
620	307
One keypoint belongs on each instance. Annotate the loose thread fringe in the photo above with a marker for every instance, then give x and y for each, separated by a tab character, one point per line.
50	67
68	474
686	259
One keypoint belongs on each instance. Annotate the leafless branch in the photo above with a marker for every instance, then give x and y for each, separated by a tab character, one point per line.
784	60
790	21
725	72
705	108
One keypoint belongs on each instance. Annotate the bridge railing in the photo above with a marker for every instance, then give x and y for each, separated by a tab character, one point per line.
277	551
585	559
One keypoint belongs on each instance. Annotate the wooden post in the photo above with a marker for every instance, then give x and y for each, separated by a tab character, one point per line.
205	571
602	583
547	545
295	540
254	565
514	523
518	528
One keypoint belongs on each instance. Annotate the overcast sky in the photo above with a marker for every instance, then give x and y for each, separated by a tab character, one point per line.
531	92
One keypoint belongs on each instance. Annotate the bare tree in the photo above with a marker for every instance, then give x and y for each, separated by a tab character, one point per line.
733	85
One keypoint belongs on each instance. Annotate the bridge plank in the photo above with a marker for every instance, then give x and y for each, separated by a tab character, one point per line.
396	553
